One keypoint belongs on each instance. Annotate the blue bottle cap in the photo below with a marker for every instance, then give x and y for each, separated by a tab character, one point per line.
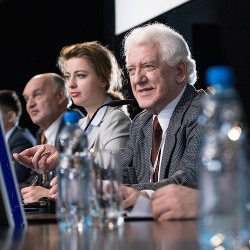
220	76
71	116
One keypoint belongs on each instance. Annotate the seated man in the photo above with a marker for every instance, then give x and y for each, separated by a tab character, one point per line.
164	138
18	138
46	101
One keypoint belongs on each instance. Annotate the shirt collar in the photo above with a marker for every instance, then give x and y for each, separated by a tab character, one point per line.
100	114
50	131
166	113
8	134
97	119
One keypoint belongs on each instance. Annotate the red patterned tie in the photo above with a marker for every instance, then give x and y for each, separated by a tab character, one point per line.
156	141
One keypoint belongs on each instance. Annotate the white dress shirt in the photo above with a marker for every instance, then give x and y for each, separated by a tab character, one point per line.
51	131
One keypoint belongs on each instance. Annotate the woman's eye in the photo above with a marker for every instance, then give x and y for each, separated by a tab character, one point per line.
67	77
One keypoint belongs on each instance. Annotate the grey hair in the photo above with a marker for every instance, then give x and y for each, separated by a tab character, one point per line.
173	47
59	83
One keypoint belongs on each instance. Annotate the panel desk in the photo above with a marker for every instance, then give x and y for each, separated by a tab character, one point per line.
44	234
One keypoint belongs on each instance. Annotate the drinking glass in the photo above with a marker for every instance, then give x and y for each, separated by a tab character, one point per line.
107	179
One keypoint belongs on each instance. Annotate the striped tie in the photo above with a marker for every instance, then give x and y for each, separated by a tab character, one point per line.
156	141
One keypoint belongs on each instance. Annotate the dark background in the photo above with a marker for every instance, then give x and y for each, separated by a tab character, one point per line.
32	34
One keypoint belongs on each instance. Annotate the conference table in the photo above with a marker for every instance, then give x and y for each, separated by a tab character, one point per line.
43	232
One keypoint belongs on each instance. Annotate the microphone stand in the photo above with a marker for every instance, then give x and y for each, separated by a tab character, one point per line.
110	104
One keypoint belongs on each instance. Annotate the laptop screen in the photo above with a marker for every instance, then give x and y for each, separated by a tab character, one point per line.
11	209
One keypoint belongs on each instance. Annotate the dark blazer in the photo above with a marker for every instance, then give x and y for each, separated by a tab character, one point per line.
33	173
38	142
181	150
19	140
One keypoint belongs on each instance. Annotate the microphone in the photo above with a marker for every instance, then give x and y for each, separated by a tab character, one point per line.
210	91
111	104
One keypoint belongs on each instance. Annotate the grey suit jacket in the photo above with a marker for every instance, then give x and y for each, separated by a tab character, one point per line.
181	150
112	132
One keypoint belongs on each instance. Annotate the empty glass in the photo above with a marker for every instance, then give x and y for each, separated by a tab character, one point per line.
107	180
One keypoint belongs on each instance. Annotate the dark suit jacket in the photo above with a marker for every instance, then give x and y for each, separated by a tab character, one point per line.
19	140
180	155
38	142
33	173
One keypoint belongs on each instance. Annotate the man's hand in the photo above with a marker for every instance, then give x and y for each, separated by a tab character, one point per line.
130	196
41	158
175	202
53	190
34	193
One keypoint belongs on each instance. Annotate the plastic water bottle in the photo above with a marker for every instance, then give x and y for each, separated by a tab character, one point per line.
72	174
223	171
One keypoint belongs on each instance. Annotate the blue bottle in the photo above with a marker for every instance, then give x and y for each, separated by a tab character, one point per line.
223	180
72	174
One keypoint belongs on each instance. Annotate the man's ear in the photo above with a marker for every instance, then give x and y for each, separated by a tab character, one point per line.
60	95
11	117
181	68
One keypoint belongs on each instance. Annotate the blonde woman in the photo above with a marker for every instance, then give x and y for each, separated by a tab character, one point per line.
93	78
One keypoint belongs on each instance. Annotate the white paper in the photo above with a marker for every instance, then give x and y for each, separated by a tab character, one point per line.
141	209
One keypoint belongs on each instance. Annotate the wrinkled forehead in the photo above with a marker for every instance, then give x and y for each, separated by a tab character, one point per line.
147	43
38	84
143	53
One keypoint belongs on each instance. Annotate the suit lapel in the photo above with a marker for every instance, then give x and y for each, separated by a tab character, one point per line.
93	137
94	134
38	136
173	127
147	130
62	124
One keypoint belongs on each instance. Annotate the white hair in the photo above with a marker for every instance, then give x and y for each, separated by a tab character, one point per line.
173	47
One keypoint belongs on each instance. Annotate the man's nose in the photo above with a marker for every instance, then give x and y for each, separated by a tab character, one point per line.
30	103
139	76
